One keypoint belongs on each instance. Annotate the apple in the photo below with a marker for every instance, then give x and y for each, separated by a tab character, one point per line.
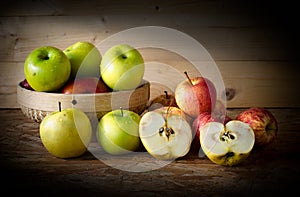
118	132
25	84
195	95
165	137
85	85
197	124
228	144
203	119
122	67
47	68
167	100
220	112
263	123
166	111
85	59
66	133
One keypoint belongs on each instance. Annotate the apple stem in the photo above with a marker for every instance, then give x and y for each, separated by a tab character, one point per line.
167	96
59	106
187	76
122	114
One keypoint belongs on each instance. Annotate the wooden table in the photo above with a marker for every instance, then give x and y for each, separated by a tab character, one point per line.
27	168
254	44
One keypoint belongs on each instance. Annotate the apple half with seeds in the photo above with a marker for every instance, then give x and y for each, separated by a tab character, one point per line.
228	144
165	137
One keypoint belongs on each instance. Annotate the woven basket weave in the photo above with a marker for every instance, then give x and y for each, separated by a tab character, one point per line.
36	105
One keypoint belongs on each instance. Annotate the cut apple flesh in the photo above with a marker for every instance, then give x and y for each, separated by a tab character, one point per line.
235	138
165	137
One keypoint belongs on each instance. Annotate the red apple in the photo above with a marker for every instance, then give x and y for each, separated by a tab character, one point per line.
25	84
201	120
198	123
195	95
262	122
163	100
85	85
220	112
219	109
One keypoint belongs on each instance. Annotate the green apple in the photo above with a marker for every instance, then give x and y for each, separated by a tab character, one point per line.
47	68
66	133
118	132
85	59
165	137
122	67
228	144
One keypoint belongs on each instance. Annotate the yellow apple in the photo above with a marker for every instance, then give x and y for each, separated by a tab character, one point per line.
66	133
228	144
165	137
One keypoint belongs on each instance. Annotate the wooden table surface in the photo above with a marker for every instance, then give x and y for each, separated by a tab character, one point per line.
254	44
27	168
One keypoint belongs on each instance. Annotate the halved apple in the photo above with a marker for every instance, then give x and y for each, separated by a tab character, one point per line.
167	111
165	137
228	144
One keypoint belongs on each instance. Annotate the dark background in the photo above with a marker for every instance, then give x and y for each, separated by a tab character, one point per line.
279	19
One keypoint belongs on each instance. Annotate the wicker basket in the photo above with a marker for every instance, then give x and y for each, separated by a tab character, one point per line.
36	105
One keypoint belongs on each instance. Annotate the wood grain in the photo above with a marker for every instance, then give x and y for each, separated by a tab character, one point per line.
20	35
34	171
256	83
254	44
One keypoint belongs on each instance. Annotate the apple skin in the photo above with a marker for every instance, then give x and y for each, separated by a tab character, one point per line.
66	133
263	123
220	112
197	98
163	100
229	144
167	111
85	59
85	86
118	132
122	67
200	121
47	69
165	137
25	84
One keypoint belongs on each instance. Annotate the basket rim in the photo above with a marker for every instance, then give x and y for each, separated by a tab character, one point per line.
143	83
87	101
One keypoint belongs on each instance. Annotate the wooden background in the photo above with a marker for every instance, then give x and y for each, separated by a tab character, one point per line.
254	44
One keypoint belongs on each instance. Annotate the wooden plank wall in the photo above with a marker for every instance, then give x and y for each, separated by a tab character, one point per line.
254	44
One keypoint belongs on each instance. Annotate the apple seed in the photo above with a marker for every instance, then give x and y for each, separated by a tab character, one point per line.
226	136
168	131
161	129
